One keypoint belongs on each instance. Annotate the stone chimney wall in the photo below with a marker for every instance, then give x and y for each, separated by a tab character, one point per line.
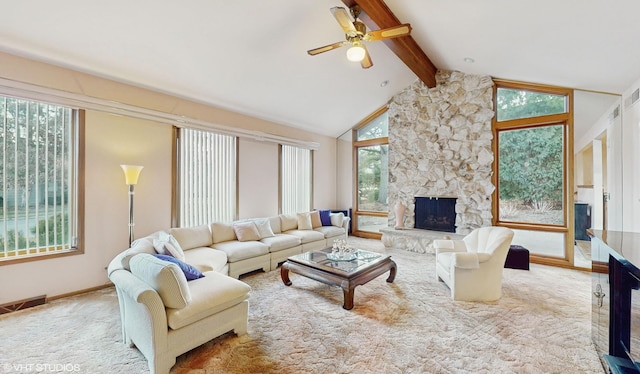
440	145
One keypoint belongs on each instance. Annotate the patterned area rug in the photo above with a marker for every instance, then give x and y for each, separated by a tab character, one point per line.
541	325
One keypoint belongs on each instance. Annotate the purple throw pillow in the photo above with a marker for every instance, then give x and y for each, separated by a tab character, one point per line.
325	217
189	271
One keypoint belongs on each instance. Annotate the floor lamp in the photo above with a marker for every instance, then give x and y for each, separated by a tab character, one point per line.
131	174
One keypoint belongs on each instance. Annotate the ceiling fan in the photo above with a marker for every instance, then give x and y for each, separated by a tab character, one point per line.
356	34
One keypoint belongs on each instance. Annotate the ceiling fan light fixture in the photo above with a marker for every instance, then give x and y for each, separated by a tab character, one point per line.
356	53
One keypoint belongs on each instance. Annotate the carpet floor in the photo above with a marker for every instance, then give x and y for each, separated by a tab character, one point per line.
542	324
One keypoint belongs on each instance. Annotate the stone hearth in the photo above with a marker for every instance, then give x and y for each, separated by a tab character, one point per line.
414	240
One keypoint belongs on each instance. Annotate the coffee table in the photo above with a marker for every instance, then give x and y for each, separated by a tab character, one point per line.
348	274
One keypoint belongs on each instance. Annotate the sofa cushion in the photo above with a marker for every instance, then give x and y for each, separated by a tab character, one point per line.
274	222
166	244
281	241
142	245
264	228
164	277
288	222
210	295
304	221
337	219
207	259
192	237
238	251
222	232
246	231
315	219
330	231
189	271
306	236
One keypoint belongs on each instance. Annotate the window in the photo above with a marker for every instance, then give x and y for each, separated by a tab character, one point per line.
295	179
207	170
39	163
371	148
532	128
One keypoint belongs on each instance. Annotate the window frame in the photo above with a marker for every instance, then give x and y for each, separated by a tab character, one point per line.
356	145
76	193
565	119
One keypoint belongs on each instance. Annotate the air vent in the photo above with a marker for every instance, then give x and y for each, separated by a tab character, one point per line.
632	99
23	304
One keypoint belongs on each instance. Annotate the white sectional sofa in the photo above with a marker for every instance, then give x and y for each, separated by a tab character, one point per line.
165	315
277	238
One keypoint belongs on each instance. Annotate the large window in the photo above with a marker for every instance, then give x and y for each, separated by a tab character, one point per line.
39	155
296	179
372	170
207	177
533	132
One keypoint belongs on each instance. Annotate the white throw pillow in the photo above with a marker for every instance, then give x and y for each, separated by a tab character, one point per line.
246	231
164	277
304	221
288	222
264	228
166	244
337	219
315	219
222	232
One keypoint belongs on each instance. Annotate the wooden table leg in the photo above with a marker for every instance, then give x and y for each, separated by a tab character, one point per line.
284	274
348	297
392	272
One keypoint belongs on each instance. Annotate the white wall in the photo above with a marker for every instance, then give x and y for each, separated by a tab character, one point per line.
113	140
622	155
258	164
630	161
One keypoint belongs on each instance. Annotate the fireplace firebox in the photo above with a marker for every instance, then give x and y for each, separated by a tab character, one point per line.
435	213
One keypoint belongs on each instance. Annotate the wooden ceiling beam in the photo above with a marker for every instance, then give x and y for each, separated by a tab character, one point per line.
377	15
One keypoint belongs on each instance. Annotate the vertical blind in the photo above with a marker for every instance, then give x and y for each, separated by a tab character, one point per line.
207	177
37	159
296	179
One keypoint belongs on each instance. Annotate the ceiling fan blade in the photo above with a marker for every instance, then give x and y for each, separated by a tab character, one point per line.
326	48
391	32
343	19
366	62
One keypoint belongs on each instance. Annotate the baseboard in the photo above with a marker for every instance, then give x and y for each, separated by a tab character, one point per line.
74	293
13	306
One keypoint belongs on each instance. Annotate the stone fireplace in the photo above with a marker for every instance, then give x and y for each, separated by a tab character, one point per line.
435	213
440	146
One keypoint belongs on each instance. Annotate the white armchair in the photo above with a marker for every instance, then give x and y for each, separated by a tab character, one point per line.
472	267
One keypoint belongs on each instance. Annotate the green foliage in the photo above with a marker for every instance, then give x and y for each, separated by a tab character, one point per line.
373	176
56	228
57	234
531	164
512	104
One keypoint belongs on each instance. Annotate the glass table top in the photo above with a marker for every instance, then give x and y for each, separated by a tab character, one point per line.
321	259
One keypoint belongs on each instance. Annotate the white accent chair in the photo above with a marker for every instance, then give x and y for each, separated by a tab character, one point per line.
165	316
472	267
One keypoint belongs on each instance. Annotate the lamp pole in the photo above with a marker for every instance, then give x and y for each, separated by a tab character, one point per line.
131	174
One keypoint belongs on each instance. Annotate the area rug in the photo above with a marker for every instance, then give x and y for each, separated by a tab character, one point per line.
541	325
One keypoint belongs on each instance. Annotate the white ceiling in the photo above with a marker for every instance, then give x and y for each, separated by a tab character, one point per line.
250	56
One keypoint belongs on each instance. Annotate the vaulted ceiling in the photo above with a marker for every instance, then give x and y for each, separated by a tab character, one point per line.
250	56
